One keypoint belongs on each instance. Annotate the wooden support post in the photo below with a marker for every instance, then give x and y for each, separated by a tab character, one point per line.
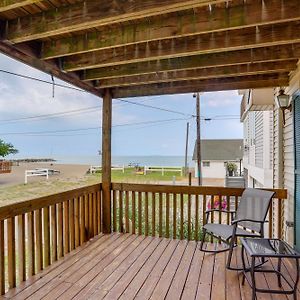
106	160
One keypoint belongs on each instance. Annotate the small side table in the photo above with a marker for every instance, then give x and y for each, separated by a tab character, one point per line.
261	249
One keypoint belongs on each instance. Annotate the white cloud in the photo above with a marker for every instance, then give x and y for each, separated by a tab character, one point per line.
226	98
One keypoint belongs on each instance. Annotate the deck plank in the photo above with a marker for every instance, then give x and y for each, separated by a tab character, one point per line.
190	289
108	284
79	291
150	283
205	280
82	264
127	266
179	280
165	281
133	288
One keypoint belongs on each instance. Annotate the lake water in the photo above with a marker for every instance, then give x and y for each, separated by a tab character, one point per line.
126	160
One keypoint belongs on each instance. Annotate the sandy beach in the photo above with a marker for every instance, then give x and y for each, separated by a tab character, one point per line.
67	172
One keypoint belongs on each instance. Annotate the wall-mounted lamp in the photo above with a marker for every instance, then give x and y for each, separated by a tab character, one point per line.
283	102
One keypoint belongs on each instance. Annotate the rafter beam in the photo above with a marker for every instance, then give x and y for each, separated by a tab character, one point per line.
266	54
253	37
6	5
203	20
198	74
92	13
247	82
25	56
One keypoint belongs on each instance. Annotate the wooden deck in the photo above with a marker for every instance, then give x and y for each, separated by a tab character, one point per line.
128	266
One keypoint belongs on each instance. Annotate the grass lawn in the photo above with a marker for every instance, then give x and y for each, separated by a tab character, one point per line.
22	192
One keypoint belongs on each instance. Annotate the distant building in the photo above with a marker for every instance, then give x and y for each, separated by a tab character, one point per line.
216	154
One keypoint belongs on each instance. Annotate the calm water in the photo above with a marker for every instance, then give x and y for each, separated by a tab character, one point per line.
125	160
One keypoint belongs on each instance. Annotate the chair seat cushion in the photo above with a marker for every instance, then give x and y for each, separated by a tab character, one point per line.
225	231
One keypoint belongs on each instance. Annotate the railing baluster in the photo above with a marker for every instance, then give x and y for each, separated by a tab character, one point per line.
196	217
21	247
174	216
72	224
46	228
2	259
31	245
126	211
280	219
82	222
133	211
203	210
11	249
60	247
121	211
181	216
271	220
114	204
38	240
189	217
54	232
66	227
153	214
212	205
86	217
76	216
228	209
99	211
146	215
220	213
140	213
160	214
167	215
94	215
90	216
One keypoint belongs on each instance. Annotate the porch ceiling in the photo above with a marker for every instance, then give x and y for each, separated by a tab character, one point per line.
153	47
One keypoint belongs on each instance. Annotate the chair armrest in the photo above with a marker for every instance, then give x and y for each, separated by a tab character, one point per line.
217	210
246	220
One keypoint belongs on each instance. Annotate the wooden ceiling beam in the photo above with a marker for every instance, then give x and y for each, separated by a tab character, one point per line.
198	74
6	5
220	84
203	20
253	37
92	13
27	57
266	54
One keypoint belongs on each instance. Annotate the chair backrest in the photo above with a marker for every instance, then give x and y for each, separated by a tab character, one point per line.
254	205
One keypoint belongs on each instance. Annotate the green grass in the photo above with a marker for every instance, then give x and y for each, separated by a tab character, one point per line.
130	176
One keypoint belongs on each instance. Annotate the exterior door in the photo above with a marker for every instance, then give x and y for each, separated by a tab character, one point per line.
297	170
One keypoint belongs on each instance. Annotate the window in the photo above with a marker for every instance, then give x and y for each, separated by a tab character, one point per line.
206	164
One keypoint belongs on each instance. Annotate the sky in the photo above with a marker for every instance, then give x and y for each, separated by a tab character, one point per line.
79	132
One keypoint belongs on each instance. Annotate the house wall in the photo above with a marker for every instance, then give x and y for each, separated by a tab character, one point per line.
216	170
258	136
284	166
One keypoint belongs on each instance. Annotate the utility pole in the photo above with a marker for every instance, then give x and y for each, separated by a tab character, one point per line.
186	149
198	139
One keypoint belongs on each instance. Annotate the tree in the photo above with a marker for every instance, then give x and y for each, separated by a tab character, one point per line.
7	148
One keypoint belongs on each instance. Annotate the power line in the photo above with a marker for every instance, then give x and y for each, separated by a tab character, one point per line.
157	108
42	80
89	128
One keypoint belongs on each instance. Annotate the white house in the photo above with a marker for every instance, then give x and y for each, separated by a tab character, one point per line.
215	155
257	118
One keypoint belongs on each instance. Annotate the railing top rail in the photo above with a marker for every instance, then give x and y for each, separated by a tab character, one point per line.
192	190
15	209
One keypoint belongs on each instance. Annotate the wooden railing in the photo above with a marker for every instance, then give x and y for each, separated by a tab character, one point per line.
36	233
179	211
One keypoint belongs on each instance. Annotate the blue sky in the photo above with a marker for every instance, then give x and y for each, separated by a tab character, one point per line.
20	98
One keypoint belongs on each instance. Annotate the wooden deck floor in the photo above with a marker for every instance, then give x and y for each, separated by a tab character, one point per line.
124	266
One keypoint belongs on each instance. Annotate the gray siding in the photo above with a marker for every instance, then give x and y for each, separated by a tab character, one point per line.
259	139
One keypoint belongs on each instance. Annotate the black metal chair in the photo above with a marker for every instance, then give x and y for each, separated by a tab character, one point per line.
247	221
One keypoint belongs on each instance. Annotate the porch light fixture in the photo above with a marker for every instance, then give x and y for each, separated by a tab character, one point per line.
283	102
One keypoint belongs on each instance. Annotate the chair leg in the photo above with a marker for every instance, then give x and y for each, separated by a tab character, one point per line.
231	247
203	239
